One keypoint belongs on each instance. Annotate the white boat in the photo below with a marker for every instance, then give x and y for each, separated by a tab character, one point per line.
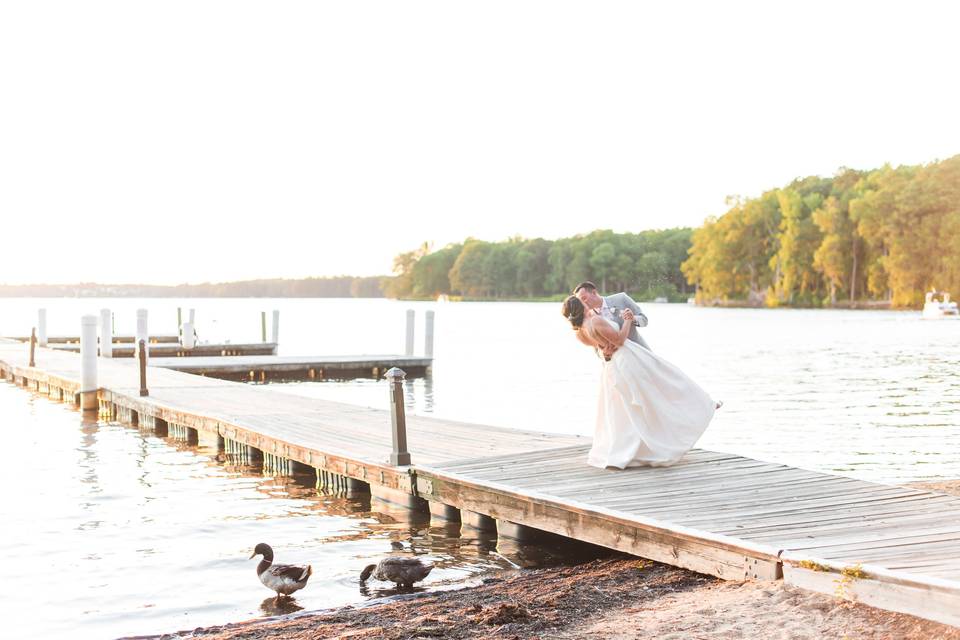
934	309
660	300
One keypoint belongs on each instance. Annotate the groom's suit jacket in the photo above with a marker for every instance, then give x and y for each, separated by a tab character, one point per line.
622	301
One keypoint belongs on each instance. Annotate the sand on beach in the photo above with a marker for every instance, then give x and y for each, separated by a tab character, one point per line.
616	598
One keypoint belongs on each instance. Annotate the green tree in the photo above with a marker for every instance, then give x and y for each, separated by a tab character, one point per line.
467	276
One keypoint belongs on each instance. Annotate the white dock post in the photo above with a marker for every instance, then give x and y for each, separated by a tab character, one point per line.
411	321
428	335
42	327
88	362
106	333
276	330
188	336
263	326
142	333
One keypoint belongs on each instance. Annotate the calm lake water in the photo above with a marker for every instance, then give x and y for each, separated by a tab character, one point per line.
110	532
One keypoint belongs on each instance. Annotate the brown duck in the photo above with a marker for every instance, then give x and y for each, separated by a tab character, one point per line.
282	578
403	571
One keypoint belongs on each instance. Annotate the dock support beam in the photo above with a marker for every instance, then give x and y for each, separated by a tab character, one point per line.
399	498
428	335
411	325
518	532
263	326
42	327
106	333
478	521
441	511
88	363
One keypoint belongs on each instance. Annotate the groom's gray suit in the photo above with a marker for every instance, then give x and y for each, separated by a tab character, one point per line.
621	301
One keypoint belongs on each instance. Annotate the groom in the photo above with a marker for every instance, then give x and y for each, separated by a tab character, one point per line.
612	307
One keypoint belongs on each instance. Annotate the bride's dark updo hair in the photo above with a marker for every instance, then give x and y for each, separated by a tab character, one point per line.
573	311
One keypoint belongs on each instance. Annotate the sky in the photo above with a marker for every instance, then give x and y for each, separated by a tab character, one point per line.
170	142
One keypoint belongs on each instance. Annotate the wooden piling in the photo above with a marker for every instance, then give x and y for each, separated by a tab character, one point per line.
411	322
142	338
398	421
88	363
276	330
33	346
106	333
42	327
143	369
188	338
428	335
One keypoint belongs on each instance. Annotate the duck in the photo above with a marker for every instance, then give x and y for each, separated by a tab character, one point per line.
282	578
403	571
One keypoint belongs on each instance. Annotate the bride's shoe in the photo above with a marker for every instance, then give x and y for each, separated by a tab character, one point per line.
719	404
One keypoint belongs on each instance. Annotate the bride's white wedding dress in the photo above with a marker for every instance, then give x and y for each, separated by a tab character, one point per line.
650	413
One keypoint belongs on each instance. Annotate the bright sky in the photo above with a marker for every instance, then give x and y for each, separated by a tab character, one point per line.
187	141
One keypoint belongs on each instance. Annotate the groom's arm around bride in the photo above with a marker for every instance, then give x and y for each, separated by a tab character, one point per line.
621	301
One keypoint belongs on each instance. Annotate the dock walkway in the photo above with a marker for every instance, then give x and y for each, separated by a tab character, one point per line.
717	513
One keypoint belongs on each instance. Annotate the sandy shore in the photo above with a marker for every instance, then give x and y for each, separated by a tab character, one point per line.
617	598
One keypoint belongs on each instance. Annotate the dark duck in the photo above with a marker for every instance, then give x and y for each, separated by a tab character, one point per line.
282	578
403	571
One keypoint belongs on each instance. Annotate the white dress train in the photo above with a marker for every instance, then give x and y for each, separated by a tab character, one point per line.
650	413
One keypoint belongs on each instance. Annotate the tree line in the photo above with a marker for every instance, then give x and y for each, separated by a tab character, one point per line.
647	264
858	238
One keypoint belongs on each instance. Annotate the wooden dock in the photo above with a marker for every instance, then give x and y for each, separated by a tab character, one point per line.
54	340
176	350
266	368
722	514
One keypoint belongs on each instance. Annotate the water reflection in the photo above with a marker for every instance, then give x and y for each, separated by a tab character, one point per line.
273	607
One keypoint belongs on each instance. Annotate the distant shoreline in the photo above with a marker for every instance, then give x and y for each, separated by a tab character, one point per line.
729	304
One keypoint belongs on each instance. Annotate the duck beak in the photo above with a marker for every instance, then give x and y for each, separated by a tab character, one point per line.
252	555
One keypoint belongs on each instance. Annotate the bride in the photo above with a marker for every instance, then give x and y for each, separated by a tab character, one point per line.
650	413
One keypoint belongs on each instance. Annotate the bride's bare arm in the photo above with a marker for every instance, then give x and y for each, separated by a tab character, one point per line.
605	333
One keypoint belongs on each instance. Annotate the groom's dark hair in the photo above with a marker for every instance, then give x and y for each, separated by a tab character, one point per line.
586	284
